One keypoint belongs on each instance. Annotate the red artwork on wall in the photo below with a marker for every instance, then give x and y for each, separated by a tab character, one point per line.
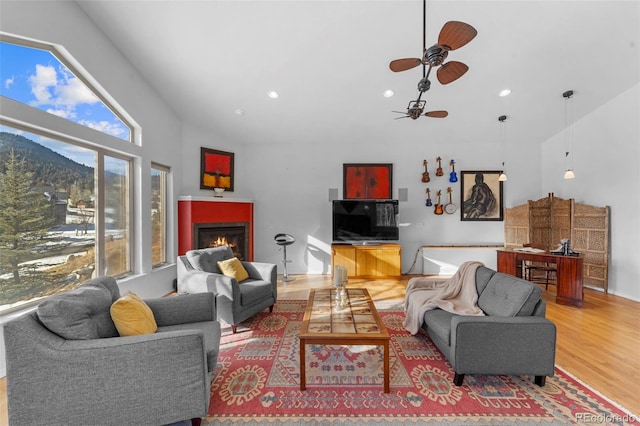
216	169
367	181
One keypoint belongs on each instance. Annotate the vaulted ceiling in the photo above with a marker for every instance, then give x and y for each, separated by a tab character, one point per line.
329	61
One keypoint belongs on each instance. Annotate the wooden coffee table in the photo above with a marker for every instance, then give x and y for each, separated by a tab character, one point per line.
356	323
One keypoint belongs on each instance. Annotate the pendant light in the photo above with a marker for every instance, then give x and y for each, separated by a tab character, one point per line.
568	135
503	137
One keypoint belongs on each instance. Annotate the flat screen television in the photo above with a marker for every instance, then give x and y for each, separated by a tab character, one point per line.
365	221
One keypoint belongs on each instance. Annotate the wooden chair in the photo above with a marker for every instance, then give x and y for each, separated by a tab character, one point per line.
539	272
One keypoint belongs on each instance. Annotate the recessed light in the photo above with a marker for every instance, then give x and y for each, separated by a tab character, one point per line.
273	94
240	112
388	93
505	92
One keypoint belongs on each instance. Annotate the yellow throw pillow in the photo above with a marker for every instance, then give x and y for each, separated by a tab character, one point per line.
233	268
132	316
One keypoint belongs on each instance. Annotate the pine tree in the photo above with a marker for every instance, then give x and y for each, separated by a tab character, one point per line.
26	216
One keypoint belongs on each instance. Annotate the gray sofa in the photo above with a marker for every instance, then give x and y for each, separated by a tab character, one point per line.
76	369
514	338
236	302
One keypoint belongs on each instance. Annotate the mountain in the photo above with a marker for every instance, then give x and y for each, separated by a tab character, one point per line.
47	166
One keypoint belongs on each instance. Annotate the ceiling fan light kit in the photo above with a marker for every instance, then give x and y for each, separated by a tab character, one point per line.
453	35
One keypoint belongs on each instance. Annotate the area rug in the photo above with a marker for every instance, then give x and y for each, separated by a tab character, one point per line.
258	381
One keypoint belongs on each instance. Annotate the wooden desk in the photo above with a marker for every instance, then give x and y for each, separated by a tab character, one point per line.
568	275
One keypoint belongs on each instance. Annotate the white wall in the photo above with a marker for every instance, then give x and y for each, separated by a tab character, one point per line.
290	185
607	153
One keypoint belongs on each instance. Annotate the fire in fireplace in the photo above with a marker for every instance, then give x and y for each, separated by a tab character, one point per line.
232	234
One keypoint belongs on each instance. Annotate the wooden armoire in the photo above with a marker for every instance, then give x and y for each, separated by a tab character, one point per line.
544	222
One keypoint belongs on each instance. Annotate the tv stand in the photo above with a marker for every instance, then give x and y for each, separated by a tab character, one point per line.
371	260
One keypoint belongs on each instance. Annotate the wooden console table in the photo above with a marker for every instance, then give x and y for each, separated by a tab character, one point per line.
568	275
368	261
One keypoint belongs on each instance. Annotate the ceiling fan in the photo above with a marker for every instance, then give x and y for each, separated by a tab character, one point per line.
453	35
416	108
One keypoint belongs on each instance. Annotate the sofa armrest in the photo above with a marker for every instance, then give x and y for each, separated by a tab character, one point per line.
261	271
155	378
183	309
503	345
198	282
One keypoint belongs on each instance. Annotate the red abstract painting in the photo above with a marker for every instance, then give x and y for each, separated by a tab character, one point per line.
216	169
367	181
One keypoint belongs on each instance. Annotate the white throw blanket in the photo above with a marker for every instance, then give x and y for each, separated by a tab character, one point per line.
457	295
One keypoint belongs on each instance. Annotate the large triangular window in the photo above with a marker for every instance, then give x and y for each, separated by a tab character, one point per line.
35	76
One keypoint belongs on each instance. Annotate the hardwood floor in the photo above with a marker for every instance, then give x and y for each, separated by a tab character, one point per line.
598	343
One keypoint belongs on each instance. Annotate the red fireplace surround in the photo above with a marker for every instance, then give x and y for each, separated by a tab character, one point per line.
207	210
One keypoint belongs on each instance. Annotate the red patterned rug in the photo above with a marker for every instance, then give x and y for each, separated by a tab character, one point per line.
257	380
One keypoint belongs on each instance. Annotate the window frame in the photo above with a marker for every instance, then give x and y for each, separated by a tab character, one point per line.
164	197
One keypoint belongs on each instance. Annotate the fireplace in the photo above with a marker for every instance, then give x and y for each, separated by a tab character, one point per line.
232	234
207	212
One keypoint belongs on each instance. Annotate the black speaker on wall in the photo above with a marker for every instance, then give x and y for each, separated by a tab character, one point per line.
333	194
403	194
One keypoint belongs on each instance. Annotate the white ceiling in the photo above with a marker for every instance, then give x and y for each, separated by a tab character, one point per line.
329	60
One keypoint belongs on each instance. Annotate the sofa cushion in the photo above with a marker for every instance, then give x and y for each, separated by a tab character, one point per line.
132	316
207	259
439	323
483	275
233	268
80	314
508	296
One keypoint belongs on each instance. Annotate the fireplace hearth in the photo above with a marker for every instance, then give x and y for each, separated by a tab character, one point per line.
232	234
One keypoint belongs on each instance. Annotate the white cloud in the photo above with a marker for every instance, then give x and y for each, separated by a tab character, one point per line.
64	113
73	91
104	127
61	89
44	78
8	82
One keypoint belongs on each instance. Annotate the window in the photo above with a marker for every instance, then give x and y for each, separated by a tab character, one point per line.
65	195
36	77
159	176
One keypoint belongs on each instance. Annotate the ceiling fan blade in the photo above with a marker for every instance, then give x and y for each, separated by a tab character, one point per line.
404	64
451	71
406	116
401	112
436	114
455	34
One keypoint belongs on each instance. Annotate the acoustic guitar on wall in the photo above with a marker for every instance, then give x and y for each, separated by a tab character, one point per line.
438	210
425	174
428	202
452	176
439	171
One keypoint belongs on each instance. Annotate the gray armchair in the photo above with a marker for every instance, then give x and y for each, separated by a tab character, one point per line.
84	373
236	302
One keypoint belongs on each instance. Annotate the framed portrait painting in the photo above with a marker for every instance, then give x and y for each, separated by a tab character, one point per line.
216	169
481	196
367	181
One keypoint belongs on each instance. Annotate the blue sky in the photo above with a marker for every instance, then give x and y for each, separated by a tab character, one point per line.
36	78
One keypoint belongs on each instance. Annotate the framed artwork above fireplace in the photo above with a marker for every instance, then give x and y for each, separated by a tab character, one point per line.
216	169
